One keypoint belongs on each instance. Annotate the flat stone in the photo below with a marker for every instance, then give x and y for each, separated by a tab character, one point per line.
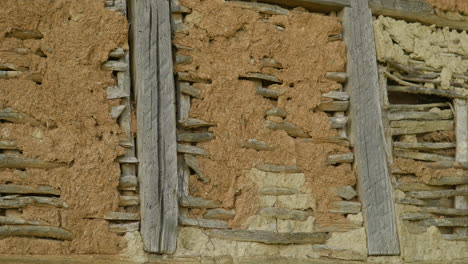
195	137
258	145
198	202
220	213
195	123
345	207
286	180
296	226
283	213
279	168
268	237
338	253
291	129
189	149
204	223
277	191
275	111
346	192
301	201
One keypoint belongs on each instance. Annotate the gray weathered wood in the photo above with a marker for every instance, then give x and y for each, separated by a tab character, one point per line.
437	194
415	216
118	53
283	213
189	149
338	122
424	145
128	182
185	76
220	213
188	89
414	10
192	162
24	34
183	59
114	66
337	95
342	141
36	231
117	110
269	93
275	111
368	132
444	114
10	115
458	237
4	220
153	81
313	5
20	162
404	153
340	158
453	180
461	131
414	186
195	137
258	145
261	76
455	222
336	76
446	211
198	202
124	228
8	144
291	129
25	189
114	92
260	7
333	106
9	74
268	237
420	90
129	200
25	201
204	223
416	107
345	207
195	123
279	168
418	127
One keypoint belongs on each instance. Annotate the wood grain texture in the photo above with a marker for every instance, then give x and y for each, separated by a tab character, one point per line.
368	133
153	81
461	155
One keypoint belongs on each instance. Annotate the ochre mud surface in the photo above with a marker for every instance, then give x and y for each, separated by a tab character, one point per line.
229	42
78	36
450	5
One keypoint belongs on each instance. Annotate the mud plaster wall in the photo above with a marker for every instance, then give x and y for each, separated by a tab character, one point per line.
430	50
450	5
77	38
230	42
227	42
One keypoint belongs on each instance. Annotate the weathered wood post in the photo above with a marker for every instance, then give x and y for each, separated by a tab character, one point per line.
461	111
153	82
367	131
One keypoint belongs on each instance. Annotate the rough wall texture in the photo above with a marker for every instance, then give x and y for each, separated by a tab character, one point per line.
67	97
430	59
229	43
460	6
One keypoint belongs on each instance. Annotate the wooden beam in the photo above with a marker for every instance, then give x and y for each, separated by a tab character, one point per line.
368	133
461	155
413	11
153	81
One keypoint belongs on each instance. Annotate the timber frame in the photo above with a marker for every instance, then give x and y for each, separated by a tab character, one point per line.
152	77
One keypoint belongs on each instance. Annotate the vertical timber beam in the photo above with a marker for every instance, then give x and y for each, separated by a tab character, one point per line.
153	82
461	110
367	132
